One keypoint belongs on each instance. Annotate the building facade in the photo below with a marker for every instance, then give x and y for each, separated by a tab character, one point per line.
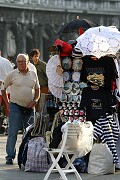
27	24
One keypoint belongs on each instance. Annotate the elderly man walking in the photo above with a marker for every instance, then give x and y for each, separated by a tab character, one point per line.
25	92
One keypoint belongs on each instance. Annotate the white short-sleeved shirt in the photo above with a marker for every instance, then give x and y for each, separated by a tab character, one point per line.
22	86
5	68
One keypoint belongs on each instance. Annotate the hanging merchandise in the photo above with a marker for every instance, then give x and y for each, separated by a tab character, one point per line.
77	64
66	63
103	66
56	91
99	41
69	98
67	87
76	53
97	79
75	88
76	76
54	76
63	73
64	48
63	98
51	101
74	98
66	76
82	85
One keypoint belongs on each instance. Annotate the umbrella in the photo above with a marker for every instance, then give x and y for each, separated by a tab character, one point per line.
52	70
99	41
75	25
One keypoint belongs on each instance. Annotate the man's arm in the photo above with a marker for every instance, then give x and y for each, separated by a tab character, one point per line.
35	100
6	99
37	95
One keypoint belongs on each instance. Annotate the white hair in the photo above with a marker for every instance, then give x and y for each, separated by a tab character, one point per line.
24	55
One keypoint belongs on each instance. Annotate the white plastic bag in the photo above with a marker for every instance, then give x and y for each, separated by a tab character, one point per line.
101	160
85	139
82	141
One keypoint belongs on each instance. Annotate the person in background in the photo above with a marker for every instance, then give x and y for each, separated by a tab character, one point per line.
41	71
10	59
24	96
32	67
5	68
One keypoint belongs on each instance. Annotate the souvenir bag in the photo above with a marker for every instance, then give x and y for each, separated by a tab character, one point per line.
42	119
83	142
38	160
22	151
41	125
57	120
101	160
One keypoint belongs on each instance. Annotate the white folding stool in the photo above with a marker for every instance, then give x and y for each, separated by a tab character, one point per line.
70	131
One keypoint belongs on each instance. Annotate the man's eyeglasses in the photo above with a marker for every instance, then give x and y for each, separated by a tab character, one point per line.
22	62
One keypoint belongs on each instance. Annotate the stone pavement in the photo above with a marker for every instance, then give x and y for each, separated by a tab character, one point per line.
12	171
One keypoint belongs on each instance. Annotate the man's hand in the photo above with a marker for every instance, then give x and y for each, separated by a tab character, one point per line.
31	104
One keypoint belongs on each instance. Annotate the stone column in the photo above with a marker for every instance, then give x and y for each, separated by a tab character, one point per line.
41	42
21	39
4	49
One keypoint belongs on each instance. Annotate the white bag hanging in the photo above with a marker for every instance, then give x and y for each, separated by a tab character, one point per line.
82	140
101	160
85	139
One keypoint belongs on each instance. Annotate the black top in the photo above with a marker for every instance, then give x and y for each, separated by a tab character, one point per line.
96	103
105	65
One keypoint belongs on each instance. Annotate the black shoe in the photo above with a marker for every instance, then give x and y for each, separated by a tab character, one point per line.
9	161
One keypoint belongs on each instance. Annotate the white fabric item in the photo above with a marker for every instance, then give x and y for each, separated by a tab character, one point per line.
5	68
118	152
84	141
32	67
99	41
118	142
52	72
56	91
101	160
106	128
55	78
117	64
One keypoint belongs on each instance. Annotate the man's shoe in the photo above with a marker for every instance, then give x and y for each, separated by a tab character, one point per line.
9	161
